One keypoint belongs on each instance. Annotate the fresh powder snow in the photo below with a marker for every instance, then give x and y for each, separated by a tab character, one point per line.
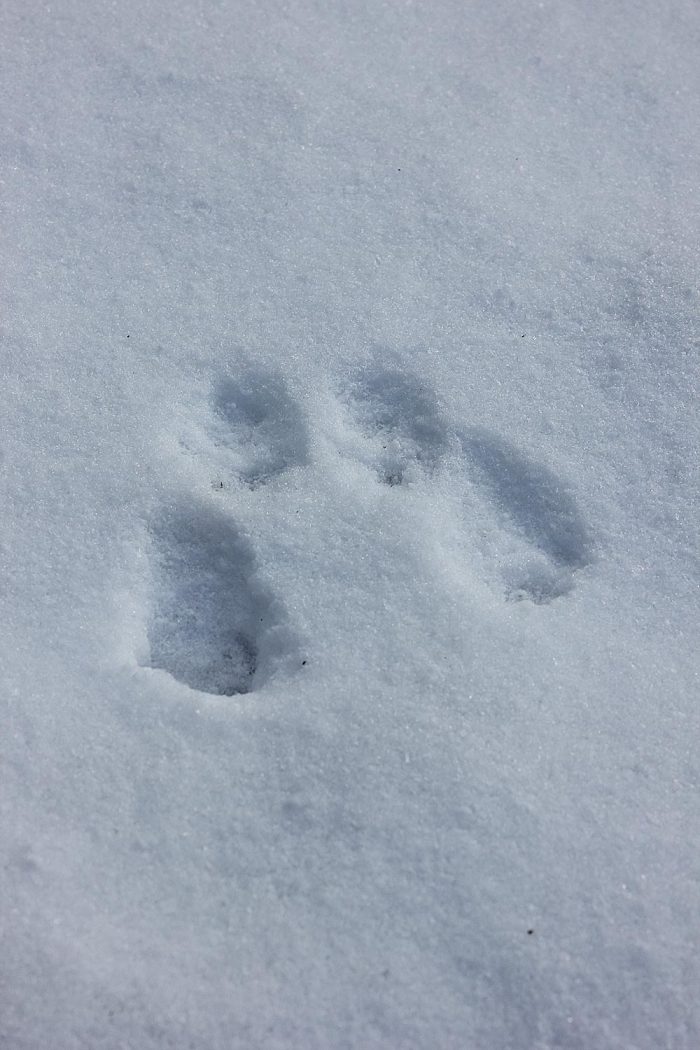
349	548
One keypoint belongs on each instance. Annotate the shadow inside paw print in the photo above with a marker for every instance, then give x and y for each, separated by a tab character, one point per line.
541	509
209	618
402	420
259	423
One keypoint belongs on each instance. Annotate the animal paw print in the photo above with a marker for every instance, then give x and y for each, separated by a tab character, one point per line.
259	427
403	434
249	431
208	617
534	505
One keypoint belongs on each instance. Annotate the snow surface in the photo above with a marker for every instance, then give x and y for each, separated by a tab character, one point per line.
349	459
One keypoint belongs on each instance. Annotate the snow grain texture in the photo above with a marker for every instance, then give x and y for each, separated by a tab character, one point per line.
380	323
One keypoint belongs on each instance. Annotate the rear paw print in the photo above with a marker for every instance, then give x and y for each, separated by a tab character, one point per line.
258	427
536	505
404	434
211	625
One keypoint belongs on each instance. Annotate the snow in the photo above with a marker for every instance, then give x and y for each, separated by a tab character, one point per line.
349	535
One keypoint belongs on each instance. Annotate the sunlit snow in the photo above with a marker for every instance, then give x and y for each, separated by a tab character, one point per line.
349	549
